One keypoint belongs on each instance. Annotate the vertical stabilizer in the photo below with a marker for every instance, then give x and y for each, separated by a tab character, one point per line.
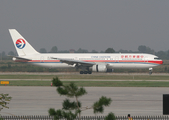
21	45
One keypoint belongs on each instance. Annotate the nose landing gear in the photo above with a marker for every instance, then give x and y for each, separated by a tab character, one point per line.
150	71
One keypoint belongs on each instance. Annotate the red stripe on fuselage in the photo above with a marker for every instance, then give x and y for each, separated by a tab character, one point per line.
113	61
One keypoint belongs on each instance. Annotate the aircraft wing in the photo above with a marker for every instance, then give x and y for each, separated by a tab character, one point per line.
72	62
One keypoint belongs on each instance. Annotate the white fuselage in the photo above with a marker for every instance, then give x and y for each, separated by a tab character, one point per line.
114	60
97	62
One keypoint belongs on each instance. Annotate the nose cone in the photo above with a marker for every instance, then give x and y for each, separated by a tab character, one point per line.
161	62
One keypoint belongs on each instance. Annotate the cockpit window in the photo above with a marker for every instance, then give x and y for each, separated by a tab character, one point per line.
156	58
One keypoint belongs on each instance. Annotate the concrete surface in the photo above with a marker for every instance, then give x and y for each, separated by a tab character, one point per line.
126	100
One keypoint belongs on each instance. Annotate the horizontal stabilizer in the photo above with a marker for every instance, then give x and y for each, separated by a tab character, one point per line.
20	58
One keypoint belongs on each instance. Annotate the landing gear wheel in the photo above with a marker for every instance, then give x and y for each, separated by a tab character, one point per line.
150	72
85	72
81	72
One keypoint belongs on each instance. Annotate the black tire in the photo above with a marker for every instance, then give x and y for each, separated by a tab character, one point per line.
85	72
81	72
150	72
89	72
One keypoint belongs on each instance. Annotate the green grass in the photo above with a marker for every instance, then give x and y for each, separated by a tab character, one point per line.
92	83
94	76
28	83
43	82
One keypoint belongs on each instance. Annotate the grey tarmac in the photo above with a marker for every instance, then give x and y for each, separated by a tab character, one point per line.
126	100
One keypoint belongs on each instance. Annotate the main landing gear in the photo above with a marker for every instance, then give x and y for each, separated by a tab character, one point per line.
85	72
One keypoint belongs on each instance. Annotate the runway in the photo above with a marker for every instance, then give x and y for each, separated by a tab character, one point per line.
126	100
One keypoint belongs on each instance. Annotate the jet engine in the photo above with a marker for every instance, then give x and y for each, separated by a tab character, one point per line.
99	68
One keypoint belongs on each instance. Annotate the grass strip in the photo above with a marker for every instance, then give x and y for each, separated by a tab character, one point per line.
92	83
102	77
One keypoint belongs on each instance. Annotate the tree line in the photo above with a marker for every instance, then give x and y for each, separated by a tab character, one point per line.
141	49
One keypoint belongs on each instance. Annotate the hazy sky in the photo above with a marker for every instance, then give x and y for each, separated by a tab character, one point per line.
86	24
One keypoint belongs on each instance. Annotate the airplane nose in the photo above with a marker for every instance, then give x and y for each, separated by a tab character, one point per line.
161	62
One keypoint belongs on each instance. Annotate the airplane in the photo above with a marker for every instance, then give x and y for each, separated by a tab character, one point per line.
86	62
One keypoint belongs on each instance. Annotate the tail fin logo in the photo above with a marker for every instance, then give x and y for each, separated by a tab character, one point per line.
20	43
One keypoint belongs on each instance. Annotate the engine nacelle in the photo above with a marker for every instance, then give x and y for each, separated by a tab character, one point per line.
99	68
